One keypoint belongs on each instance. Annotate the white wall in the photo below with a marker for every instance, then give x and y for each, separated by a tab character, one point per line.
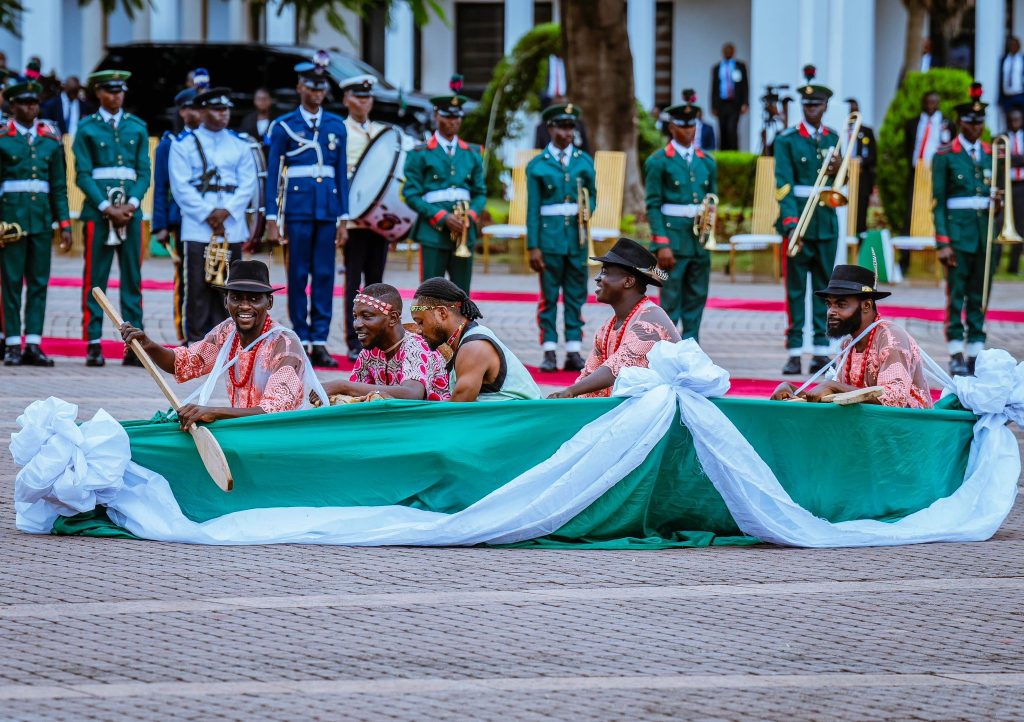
438	51
890	40
772	61
324	36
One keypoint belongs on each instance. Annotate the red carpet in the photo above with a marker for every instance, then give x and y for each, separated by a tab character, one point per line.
730	304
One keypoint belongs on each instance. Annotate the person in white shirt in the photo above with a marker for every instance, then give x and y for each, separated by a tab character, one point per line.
1011	77
213	177
1015	133
922	137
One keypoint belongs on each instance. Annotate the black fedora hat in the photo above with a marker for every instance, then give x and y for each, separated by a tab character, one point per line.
629	254
252	276
852	281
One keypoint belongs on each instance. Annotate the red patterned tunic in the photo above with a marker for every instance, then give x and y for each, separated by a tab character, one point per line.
619	348
413	361
891	360
269	376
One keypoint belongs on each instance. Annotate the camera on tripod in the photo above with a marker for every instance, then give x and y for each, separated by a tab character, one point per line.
774	119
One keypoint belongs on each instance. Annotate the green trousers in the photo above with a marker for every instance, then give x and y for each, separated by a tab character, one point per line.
441	261
817	257
98	259
566	274
965	286
685	293
25	262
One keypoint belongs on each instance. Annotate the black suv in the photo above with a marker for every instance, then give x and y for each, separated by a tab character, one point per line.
159	71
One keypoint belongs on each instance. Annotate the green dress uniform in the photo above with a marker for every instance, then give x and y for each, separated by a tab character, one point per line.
552	225
438	174
34	187
111	153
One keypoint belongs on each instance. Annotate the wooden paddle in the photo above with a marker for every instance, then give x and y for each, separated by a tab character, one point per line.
209	450
857	396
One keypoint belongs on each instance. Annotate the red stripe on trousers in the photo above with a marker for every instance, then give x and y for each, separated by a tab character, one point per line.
90	229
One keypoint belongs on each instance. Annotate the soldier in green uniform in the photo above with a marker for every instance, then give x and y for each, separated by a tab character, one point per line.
962	187
34	187
557	244
799	153
676	180
438	174
113	171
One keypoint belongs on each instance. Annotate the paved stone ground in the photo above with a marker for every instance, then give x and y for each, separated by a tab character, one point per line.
94	629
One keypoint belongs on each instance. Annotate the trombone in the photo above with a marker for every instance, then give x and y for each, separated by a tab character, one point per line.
1008	235
796	239
583	221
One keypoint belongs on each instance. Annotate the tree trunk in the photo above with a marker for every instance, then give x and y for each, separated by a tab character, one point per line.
917	14
599	72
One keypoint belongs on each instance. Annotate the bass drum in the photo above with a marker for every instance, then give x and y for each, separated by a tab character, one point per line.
256	212
375	191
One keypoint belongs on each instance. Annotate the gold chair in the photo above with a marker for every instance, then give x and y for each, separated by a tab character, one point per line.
610	172
762	236
922	223
515	228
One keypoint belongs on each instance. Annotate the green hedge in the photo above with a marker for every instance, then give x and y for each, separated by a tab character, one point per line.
736	169
894	167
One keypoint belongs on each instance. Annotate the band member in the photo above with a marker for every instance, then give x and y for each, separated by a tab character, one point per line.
311	143
676	180
799	153
213	177
962	186
885	355
922	137
34	195
1015	134
557	243
638	323
393	361
480	366
866	148
166	223
112	169
365	252
270	372
444	172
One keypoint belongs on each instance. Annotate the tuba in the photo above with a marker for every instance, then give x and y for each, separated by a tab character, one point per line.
583	221
9	233
704	222
117	196
1008	235
461	240
215	259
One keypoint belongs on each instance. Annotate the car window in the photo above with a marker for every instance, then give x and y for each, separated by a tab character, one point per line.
343	66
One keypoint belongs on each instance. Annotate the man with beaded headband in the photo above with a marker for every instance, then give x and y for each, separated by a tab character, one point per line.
392	360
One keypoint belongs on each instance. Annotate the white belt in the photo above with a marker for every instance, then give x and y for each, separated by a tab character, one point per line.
25	186
685	210
310	171
974	203
448	195
560	209
119	173
805	191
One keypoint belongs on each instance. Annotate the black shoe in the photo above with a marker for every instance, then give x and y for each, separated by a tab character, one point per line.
353	354
321	358
573	362
549	364
12	356
34	356
94	355
792	367
958	365
971	361
818	363
130	359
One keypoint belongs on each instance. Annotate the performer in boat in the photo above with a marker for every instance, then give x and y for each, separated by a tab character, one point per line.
637	324
392	361
266	378
480	367
886	356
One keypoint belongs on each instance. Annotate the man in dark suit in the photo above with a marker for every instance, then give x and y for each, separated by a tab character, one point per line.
730	96
865	148
67	108
1011	77
1015	133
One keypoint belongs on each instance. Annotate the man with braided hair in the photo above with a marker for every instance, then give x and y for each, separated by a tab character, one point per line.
480	367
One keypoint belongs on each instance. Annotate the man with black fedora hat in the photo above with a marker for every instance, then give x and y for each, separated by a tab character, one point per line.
874	352
637	324
269	370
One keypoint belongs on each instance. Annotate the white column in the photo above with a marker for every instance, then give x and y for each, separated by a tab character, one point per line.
1018	18
771	60
280	27
42	27
640	27
238	25
989	42
398	47
518	21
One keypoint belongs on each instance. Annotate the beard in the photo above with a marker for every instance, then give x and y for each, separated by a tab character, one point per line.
844	327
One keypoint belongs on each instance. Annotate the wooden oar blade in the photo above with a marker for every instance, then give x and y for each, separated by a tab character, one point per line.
213	457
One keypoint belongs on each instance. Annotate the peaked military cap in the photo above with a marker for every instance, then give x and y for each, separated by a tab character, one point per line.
360	86
451	106
811	93
973	111
25	91
214	99
200	79
559	114
186	98
687	113
314	74
113	80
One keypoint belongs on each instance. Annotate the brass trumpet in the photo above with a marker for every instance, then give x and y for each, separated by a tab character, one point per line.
117	196
583	221
215	259
704	222
461	212
1008	235
9	233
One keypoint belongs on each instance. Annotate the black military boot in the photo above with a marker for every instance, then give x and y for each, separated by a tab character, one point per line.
573	362
550	362
94	355
130	359
971	362
34	356
12	356
958	365
792	367
321	358
818	363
